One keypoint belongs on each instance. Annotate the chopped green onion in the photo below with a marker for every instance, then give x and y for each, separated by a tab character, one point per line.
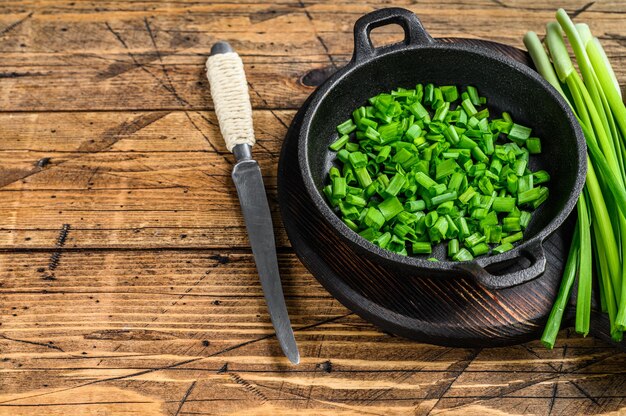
421	165
463	255
422	248
502	248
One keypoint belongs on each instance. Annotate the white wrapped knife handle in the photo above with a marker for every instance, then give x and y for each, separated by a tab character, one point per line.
229	90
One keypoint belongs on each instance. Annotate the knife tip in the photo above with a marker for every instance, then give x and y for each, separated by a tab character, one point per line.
221	47
294	358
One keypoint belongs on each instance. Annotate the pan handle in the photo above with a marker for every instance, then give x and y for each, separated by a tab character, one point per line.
477	269
414	32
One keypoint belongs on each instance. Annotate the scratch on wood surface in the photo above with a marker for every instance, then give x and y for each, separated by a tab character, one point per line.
111	136
143	66
130	334
317	36
462	366
535	381
185	397
175	93
13	25
25	341
581	10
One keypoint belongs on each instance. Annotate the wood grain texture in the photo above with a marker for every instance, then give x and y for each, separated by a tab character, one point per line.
126	280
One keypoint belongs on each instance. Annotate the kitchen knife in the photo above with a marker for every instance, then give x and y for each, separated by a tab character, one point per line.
229	90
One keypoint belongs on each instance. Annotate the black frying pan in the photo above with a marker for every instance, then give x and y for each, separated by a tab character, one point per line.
508	85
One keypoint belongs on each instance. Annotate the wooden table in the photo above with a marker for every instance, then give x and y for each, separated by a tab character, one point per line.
126	278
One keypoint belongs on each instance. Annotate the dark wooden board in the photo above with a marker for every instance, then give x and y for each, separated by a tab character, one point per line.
452	312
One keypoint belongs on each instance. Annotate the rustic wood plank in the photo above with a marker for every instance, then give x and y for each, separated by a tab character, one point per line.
143	61
160	179
143	328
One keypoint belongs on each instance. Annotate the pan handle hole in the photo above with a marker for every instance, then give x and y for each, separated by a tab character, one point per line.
387	35
509	266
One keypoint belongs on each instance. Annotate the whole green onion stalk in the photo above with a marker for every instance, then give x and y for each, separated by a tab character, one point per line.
595	99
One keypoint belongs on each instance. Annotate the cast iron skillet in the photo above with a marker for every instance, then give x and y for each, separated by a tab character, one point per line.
508	86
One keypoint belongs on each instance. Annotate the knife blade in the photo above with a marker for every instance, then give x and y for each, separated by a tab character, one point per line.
229	90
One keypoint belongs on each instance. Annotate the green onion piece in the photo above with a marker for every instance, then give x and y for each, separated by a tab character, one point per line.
348	211
424	180
382	240
414	206
583	296
543	196
464	230
450	93
510	224
350	224
453	230
455	181
502	248
369	234
533	145
445	197
466	196
541	176
441	112
374	218
372	134
328	191
474	239
479	249
469	107
451	134
479	154
513	238
553	325
445	168
488	146
453	247
390	207
418	110
493	233
413	132
445	208
356	200
431	218
519	132
343	155
383	154
363	177
529	196
503	204
339	143
438	189
512	183
422	248
339	187
463	255
441	225
524	219
472	92
479	213
395	185
466	143
357	159
352	147
525	183
402	230
346	127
